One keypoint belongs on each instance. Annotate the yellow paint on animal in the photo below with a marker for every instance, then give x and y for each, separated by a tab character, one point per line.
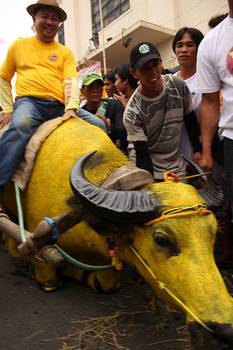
185	264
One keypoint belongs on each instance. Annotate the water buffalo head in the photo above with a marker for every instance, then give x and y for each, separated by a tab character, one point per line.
170	240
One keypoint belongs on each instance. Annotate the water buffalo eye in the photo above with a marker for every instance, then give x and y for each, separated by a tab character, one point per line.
162	240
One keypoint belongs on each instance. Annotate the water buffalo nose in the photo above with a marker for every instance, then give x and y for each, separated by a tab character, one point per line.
221	338
223	331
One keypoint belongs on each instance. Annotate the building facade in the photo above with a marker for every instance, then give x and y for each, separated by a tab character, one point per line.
127	22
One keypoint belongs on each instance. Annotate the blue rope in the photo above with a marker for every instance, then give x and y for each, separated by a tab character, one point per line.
79	264
66	256
20	213
53	228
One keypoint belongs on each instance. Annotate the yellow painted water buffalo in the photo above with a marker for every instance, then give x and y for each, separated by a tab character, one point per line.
164	230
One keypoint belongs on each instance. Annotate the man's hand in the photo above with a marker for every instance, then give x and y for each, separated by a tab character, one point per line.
70	112
197	157
121	97
206	162
106	121
5	119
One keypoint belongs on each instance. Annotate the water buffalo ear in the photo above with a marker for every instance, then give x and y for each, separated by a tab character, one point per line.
128	178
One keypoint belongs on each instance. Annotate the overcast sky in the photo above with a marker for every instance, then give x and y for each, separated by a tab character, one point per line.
15	22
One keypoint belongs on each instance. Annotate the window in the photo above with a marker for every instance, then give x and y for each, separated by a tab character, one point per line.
61	34
111	9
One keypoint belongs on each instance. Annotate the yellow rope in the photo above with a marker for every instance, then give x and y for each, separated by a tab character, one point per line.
163	287
193	176
172	177
180	211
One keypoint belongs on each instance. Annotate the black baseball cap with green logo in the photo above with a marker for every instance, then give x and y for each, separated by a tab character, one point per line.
142	53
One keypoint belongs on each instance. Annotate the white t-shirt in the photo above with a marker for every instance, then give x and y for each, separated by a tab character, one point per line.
186	147
215	70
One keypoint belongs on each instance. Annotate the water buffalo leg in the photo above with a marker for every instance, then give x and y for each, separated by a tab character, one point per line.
46	275
100	281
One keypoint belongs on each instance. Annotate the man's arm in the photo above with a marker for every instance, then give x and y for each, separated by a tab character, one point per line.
137	137
143	159
70	83
193	131
6	102
114	112
209	117
71	93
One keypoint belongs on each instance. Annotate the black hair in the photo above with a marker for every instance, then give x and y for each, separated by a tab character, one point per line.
171	70
124	73
110	76
195	34
215	20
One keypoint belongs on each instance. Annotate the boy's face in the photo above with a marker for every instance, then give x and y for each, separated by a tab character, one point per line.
150	74
109	87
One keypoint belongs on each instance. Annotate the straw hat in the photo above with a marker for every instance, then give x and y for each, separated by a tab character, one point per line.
31	9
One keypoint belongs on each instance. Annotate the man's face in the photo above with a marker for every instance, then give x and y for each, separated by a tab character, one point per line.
121	85
46	22
186	51
93	92
150	74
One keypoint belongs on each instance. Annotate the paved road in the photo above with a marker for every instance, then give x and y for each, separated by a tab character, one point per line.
33	320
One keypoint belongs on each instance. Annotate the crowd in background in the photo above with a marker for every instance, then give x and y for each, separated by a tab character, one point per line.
122	85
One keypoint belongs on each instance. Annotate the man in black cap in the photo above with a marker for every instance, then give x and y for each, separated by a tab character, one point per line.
46	85
155	115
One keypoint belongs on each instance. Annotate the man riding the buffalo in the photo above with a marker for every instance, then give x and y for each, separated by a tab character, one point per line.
46	85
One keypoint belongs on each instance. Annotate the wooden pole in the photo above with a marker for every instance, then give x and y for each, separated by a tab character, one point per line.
102	36
42	233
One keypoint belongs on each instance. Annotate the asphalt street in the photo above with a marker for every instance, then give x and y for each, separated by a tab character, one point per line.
34	320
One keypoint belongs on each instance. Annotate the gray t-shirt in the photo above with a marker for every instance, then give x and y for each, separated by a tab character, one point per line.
159	122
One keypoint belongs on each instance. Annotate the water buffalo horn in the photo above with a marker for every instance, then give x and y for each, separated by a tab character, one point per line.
198	169
212	192
115	206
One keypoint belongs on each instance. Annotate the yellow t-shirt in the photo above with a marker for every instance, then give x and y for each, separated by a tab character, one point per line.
41	68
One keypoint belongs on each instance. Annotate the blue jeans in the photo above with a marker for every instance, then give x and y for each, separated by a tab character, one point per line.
29	113
92	119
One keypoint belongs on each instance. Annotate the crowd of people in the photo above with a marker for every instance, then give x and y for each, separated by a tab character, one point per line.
151	116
